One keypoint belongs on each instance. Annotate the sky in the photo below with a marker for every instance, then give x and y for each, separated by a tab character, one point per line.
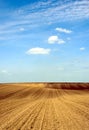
44	41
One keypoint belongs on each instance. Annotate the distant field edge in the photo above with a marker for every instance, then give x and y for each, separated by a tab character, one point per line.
54	85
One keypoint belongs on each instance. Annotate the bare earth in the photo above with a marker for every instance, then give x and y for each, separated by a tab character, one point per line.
44	106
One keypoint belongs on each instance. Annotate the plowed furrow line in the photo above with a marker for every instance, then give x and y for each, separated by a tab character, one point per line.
14	117
22	118
70	117
49	117
10	110
11	94
45	119
60	115
79	109
38	107
38	94
67	117
42	118
31	118
36	124
29	124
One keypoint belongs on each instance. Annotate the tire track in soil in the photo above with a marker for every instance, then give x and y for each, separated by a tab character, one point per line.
49	116
29	124
32	123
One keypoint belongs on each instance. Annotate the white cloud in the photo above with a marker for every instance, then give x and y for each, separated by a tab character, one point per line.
31	16
55	39
22	29
54	11
4	71
63	30
38	50
82	48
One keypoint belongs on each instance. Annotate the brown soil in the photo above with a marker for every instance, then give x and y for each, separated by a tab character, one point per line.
44	106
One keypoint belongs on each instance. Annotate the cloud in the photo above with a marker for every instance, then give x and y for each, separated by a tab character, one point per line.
55	39
82	48
31	16
63	30
38	50
4	71
21	29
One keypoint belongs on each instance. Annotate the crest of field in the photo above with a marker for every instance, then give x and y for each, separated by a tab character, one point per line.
70	86
40	90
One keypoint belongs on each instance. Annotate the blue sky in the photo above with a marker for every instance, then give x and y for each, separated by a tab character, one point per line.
44	40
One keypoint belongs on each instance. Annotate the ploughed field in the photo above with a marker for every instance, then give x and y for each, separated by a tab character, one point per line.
44	106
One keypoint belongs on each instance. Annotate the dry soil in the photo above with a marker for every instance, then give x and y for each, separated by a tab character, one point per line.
44	106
